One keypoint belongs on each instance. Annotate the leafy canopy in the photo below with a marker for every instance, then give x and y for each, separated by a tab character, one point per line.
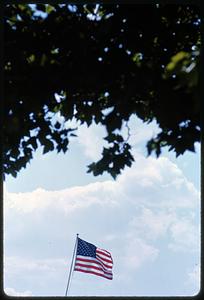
99	64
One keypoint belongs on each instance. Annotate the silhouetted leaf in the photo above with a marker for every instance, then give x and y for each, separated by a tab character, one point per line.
105	71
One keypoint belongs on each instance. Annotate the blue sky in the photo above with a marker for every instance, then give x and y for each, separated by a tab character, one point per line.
149	219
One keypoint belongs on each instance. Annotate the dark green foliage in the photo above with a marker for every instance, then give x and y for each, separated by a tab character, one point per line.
126	59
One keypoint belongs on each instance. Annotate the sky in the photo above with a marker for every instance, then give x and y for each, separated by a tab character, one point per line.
148	219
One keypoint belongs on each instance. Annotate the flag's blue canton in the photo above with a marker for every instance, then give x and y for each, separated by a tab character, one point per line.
86	249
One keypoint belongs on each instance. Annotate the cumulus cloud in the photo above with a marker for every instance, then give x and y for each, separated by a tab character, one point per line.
137	252
37	275
15	264
158	176
148	203
185	235
91	141
153	225
194	278
12	292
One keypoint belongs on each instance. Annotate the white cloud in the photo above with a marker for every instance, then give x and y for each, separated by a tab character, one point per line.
37	276
16	264
153	225
137	252
91	140
193	279
141	132
66	201
12	292
185	235
148	194
148	203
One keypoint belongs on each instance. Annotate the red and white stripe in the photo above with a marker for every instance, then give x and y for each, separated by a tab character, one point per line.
100	266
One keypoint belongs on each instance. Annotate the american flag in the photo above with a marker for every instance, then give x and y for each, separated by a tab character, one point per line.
93	260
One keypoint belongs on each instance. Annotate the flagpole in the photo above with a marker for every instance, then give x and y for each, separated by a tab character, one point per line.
71	267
